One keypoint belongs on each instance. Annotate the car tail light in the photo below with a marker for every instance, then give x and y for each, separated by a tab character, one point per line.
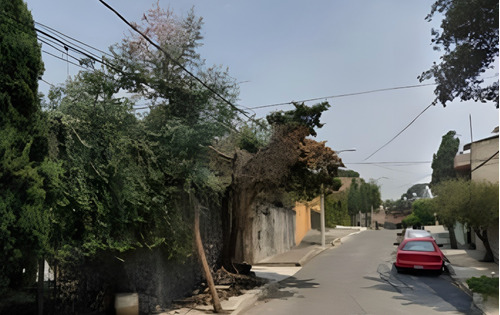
419	258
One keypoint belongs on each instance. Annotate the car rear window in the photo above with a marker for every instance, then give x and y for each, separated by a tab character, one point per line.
420	246
414	234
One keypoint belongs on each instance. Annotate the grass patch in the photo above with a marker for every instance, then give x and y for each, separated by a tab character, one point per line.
484	285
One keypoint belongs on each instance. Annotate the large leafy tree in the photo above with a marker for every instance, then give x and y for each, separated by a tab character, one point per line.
472	203
185	114
113	197
469	38
26	174
273	167
443	160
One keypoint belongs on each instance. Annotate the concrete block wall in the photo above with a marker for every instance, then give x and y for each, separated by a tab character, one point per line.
273	231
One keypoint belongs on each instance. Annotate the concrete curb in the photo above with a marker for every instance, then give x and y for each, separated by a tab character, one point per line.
313	253
253	297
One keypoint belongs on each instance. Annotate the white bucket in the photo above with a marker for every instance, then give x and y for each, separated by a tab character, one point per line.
127	304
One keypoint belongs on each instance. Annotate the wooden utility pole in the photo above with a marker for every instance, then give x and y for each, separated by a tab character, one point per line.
322	216
203	258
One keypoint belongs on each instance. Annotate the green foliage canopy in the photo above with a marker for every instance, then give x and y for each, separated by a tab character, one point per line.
472	203
27	176
422	213
443	160
363	196
469	37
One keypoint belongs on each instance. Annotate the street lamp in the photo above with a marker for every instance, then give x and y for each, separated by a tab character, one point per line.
346	150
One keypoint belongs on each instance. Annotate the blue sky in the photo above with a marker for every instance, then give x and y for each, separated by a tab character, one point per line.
295	50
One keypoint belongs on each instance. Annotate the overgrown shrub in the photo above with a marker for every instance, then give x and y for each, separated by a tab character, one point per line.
484	285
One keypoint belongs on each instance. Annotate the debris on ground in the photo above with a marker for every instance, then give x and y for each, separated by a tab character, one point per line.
227	285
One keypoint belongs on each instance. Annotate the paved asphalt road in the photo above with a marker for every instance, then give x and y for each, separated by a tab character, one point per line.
357	277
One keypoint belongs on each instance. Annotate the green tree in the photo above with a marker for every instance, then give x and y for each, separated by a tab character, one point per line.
422	213
185	116
443	160
26	173
469	37
424	209
112	195
363	197
336	210
443	169
347	173
274	168
474	204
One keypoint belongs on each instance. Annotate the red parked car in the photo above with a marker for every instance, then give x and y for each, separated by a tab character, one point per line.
421	254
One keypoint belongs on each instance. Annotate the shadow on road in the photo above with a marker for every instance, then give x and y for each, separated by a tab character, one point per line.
288	288
427	289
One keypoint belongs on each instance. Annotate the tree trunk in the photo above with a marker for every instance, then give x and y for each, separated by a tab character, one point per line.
238	214
41	270
203	259
453	238
483	236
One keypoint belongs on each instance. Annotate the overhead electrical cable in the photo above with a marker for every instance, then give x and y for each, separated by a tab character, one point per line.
46	82
352	94
392	163
399	133
73	39
344	95
71	62
65	44
60	50
486	161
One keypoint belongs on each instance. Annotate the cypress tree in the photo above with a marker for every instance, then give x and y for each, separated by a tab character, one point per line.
23	146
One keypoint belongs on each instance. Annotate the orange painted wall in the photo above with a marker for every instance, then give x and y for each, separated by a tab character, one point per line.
303	217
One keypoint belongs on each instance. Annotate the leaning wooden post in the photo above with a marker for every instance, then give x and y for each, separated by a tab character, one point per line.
203	258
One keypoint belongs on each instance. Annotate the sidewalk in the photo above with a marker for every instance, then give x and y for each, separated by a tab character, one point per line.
465	264
309	247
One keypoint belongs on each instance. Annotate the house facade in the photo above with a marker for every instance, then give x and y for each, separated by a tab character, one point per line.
479	162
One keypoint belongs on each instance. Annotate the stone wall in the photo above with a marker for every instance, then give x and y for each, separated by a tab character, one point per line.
273	231
90	286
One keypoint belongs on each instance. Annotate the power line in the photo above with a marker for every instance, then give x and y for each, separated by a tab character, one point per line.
71	62
393	138
345	95
486	161
52	85
60	50
392	163
73	39
175	61
63	43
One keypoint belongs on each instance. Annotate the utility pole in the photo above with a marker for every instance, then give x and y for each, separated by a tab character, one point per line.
371	218
322	216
